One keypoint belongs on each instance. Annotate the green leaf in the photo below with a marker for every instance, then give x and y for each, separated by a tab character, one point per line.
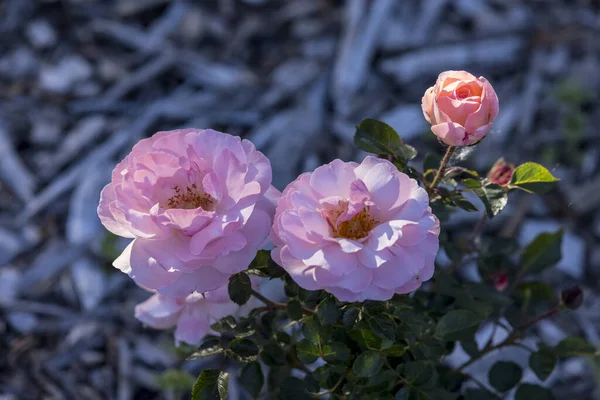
494	198
533	178
367	364
240	288
368	339
528	391
504	375
396	350
226	324
472	183
327	311
403	394
470	346
335	351
538	292
290	287
483	292
315	332
460	201
243	350
383	326
479	394
575	346
351	316
294	310
456	321
418	373
223	385
378	137
205	387
252	379
206	352
293	388
542	363
175	379
543	252
272	354
382	382
307	351
419	323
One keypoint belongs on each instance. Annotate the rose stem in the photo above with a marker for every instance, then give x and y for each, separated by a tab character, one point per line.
272	304
440	172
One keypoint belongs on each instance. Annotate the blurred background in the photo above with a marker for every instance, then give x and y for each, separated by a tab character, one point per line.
82	80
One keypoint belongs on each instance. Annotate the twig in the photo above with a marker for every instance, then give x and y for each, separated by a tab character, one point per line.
274	305
510	340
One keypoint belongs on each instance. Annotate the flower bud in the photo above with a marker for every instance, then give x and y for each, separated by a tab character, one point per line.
572	298
500	280
460	108
501	172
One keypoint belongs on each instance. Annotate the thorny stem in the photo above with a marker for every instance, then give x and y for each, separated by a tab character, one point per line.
442	169
510	340
274	305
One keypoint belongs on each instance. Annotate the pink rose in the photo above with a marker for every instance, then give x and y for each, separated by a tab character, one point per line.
198	203
460	108
359	231
192	315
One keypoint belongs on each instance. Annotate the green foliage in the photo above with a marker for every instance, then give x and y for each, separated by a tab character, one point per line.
493	197
205	387
533	178
504	375
240	288
456	321
367	364
395	349
528	391
175	380
327	311
542	362
543	252
252	379
575	346
378	137
244	350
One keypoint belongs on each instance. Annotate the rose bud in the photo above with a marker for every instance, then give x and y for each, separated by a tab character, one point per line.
572	298
500	280
501	172
460	108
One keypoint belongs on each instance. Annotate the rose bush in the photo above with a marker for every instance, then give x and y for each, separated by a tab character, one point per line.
355	247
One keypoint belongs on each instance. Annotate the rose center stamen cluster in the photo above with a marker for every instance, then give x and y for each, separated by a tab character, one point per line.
355	228
191	198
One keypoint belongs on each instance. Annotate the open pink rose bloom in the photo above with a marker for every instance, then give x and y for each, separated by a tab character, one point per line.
359	231
192	315
198	204
460	108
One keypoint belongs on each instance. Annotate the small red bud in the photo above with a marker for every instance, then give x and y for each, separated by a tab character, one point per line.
572	298
500	280
501	172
